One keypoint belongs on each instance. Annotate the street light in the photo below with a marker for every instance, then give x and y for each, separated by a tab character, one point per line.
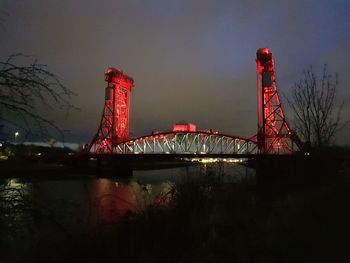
16	135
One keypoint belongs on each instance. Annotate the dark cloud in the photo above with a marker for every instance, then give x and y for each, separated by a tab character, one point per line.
191	60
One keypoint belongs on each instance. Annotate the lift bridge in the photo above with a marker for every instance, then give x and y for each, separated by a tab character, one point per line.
274	135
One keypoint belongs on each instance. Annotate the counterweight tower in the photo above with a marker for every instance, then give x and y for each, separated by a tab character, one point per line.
114	125
274	134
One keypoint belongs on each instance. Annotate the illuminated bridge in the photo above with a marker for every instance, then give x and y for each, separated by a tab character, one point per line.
187	143
274	135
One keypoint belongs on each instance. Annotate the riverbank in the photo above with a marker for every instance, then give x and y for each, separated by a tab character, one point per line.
240	223
204	220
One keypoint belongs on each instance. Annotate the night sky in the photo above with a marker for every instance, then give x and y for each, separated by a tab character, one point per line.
192	60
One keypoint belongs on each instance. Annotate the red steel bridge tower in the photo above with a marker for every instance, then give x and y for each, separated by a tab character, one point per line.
114	125
274	134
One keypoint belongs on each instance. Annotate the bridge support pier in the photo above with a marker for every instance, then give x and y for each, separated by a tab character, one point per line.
106	165
291	169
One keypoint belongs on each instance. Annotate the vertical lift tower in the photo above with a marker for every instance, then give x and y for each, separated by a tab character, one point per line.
274	133
114	125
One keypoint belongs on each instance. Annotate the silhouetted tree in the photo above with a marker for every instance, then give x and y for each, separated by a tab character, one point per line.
24	88
313	102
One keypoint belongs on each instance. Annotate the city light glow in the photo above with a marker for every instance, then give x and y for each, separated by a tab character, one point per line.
216	160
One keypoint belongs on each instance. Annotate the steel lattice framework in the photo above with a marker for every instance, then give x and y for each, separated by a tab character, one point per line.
274	134
114	125
187	143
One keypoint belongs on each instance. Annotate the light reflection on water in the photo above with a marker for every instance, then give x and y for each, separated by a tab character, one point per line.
15	199
60	204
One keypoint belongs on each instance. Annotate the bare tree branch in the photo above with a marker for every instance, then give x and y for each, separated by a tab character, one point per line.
313	102
25	88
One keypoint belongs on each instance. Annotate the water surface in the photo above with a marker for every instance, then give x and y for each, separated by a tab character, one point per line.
33	208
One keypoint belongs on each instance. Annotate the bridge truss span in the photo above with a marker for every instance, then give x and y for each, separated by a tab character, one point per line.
187	143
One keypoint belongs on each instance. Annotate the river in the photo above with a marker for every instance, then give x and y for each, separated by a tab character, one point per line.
31	208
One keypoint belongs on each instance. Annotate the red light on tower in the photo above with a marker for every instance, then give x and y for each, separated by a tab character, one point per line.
274	133
114	125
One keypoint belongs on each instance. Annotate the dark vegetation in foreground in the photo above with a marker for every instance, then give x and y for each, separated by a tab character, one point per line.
280	219
213	222
235	223
210	221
